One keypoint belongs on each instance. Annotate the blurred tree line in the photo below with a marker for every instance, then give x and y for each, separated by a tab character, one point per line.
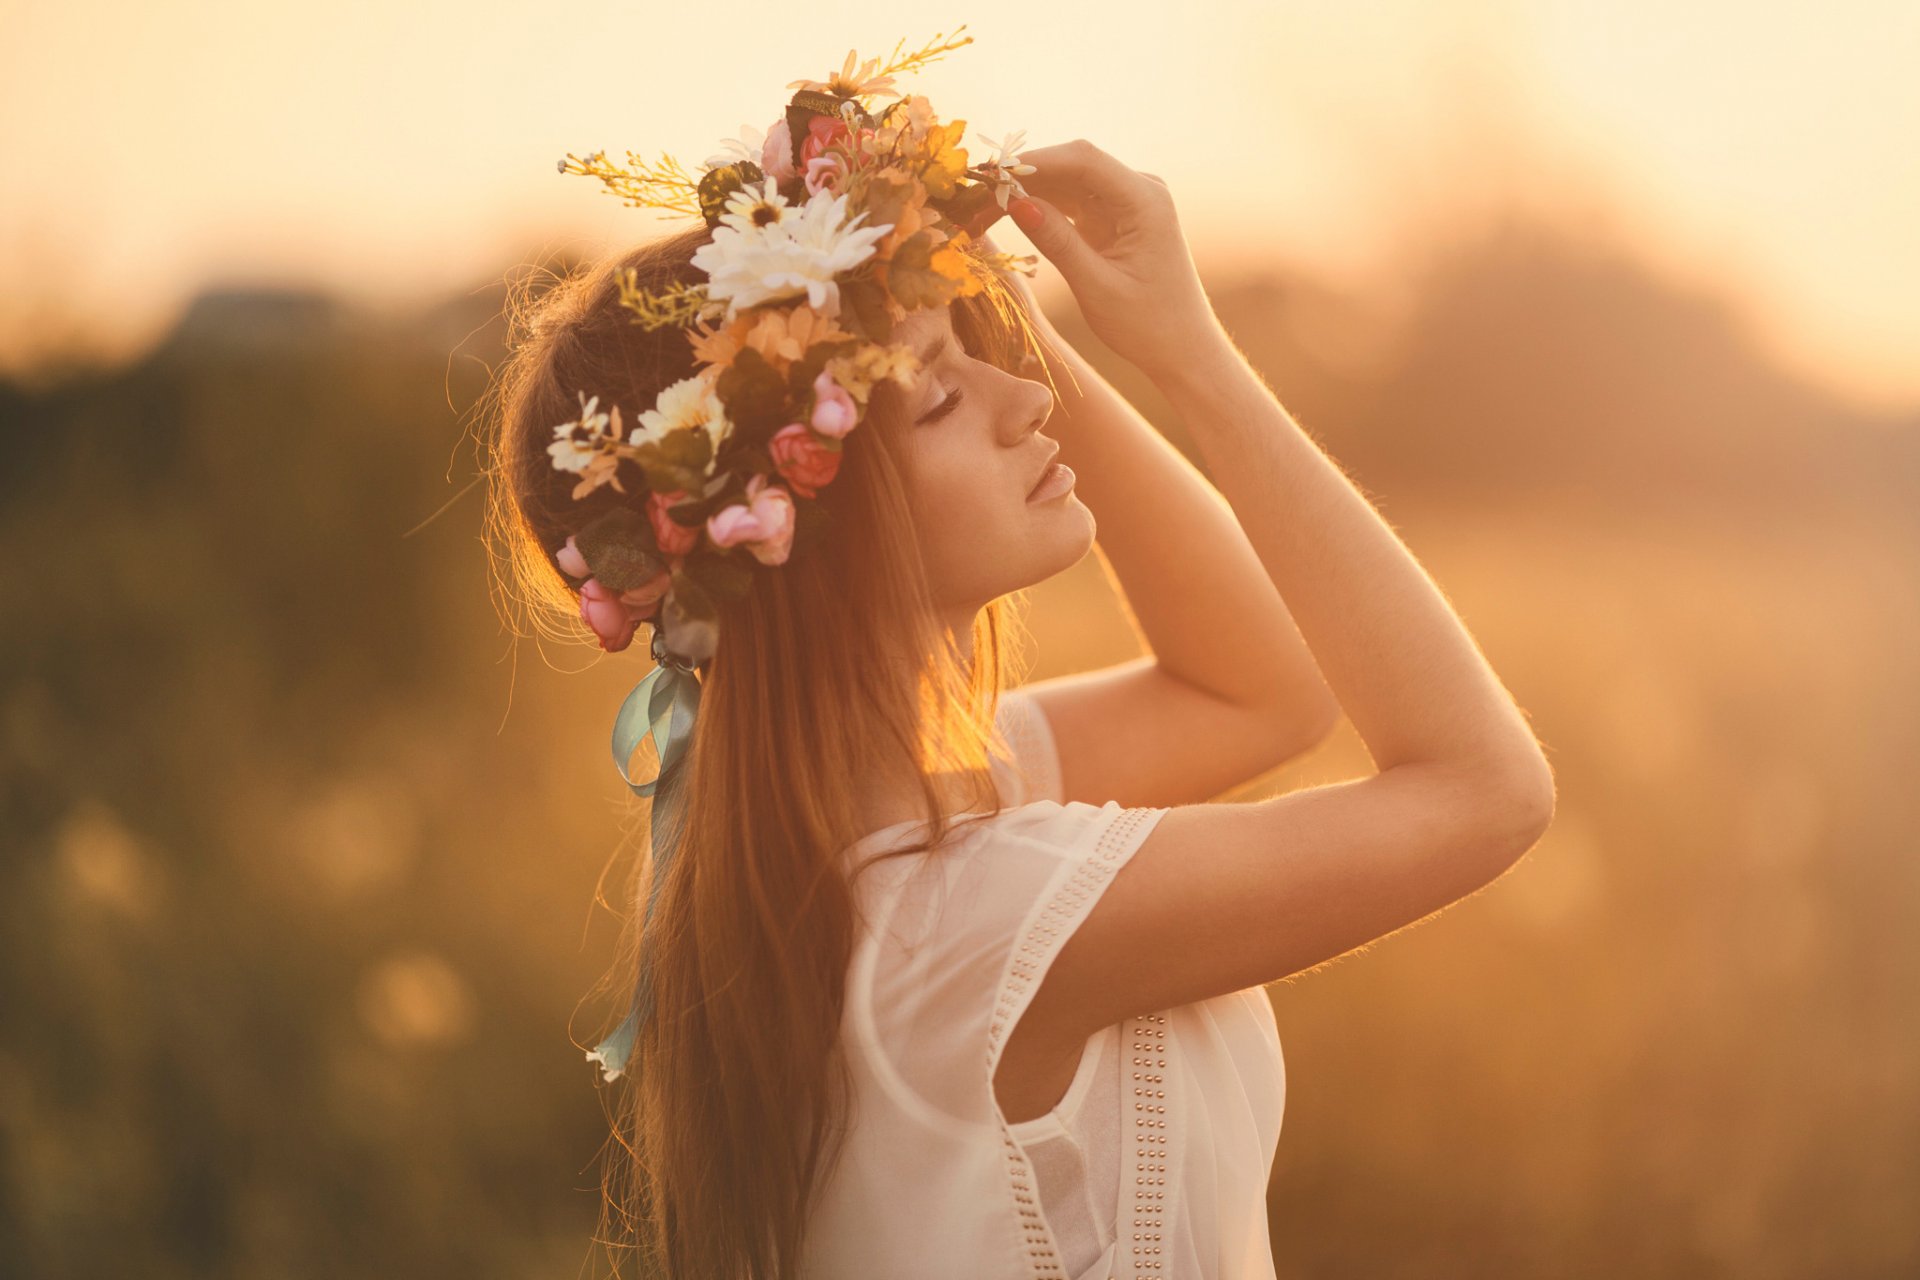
302	853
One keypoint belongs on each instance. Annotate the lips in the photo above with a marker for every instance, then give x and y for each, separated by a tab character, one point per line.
1045	467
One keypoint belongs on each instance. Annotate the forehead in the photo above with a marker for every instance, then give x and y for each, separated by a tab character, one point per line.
922	330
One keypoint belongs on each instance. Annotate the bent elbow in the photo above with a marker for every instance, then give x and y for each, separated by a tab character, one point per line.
1525	805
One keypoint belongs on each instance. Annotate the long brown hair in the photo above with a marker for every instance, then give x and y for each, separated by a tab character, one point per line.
833	667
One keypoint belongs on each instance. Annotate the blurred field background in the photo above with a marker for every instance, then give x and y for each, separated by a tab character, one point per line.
302	852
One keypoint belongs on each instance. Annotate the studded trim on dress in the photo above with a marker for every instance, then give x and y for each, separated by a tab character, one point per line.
1147	1136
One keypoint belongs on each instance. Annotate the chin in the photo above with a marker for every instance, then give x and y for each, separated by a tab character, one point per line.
1054	542
1071	534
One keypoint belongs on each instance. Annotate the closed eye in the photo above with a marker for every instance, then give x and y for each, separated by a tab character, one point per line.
944	408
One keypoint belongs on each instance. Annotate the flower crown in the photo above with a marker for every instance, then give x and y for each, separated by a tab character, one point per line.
828	227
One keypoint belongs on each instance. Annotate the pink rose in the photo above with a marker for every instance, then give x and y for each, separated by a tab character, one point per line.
764	525
833	410
826	173
822	131
674	539
571	562
802	459
776	154
601	610
641	601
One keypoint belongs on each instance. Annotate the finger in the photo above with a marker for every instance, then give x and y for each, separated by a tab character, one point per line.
1069	173
1057	240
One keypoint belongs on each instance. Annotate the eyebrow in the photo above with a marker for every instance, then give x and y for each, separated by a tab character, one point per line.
933	349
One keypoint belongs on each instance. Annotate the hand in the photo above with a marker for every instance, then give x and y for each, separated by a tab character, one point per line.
1115	238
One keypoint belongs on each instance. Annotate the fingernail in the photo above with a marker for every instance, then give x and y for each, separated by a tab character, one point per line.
1025	213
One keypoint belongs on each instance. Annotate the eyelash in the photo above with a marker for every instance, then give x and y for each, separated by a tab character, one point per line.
944	408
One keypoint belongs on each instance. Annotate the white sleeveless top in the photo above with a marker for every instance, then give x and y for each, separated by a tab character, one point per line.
1155	1161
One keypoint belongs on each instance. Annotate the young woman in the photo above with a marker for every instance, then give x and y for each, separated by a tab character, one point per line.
951	982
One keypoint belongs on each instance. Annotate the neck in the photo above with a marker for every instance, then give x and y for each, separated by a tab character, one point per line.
886	801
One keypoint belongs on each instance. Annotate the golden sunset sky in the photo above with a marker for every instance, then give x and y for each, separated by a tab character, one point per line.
394	150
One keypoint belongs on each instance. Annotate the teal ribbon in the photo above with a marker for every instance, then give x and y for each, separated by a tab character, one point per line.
663	706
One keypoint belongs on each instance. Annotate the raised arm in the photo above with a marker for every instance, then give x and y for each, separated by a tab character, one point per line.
1228	689
1242	894
1400	661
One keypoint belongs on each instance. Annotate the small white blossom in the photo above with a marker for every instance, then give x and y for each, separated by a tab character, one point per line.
1005	166
746	145
578	442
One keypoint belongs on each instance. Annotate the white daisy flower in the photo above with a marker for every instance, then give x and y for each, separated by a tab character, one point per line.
751	206
578	442
690	402
802	252
746	145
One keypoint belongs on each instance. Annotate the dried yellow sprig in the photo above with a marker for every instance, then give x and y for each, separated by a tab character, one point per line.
663	184
678	304
927	52
865	80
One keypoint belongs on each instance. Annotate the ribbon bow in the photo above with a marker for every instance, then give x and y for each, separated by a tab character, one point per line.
663	705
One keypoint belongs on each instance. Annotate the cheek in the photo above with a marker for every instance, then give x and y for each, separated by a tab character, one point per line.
961	497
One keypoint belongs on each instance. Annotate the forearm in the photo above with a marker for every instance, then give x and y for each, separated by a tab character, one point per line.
1405	670
1198	592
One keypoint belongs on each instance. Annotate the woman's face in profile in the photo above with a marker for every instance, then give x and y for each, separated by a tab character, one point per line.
970	439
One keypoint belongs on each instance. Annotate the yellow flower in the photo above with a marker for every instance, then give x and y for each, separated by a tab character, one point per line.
718	346
783	336
850	83
859	371
944	159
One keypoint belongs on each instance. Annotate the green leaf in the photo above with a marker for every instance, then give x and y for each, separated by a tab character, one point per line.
723	575
753	392
863	308
803	371
688	447
678	461
911	277
720	183
693	599
725	487
693	514
886	198
973	208
619	549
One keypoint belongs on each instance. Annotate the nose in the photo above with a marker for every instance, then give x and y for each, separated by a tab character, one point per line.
1029	406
